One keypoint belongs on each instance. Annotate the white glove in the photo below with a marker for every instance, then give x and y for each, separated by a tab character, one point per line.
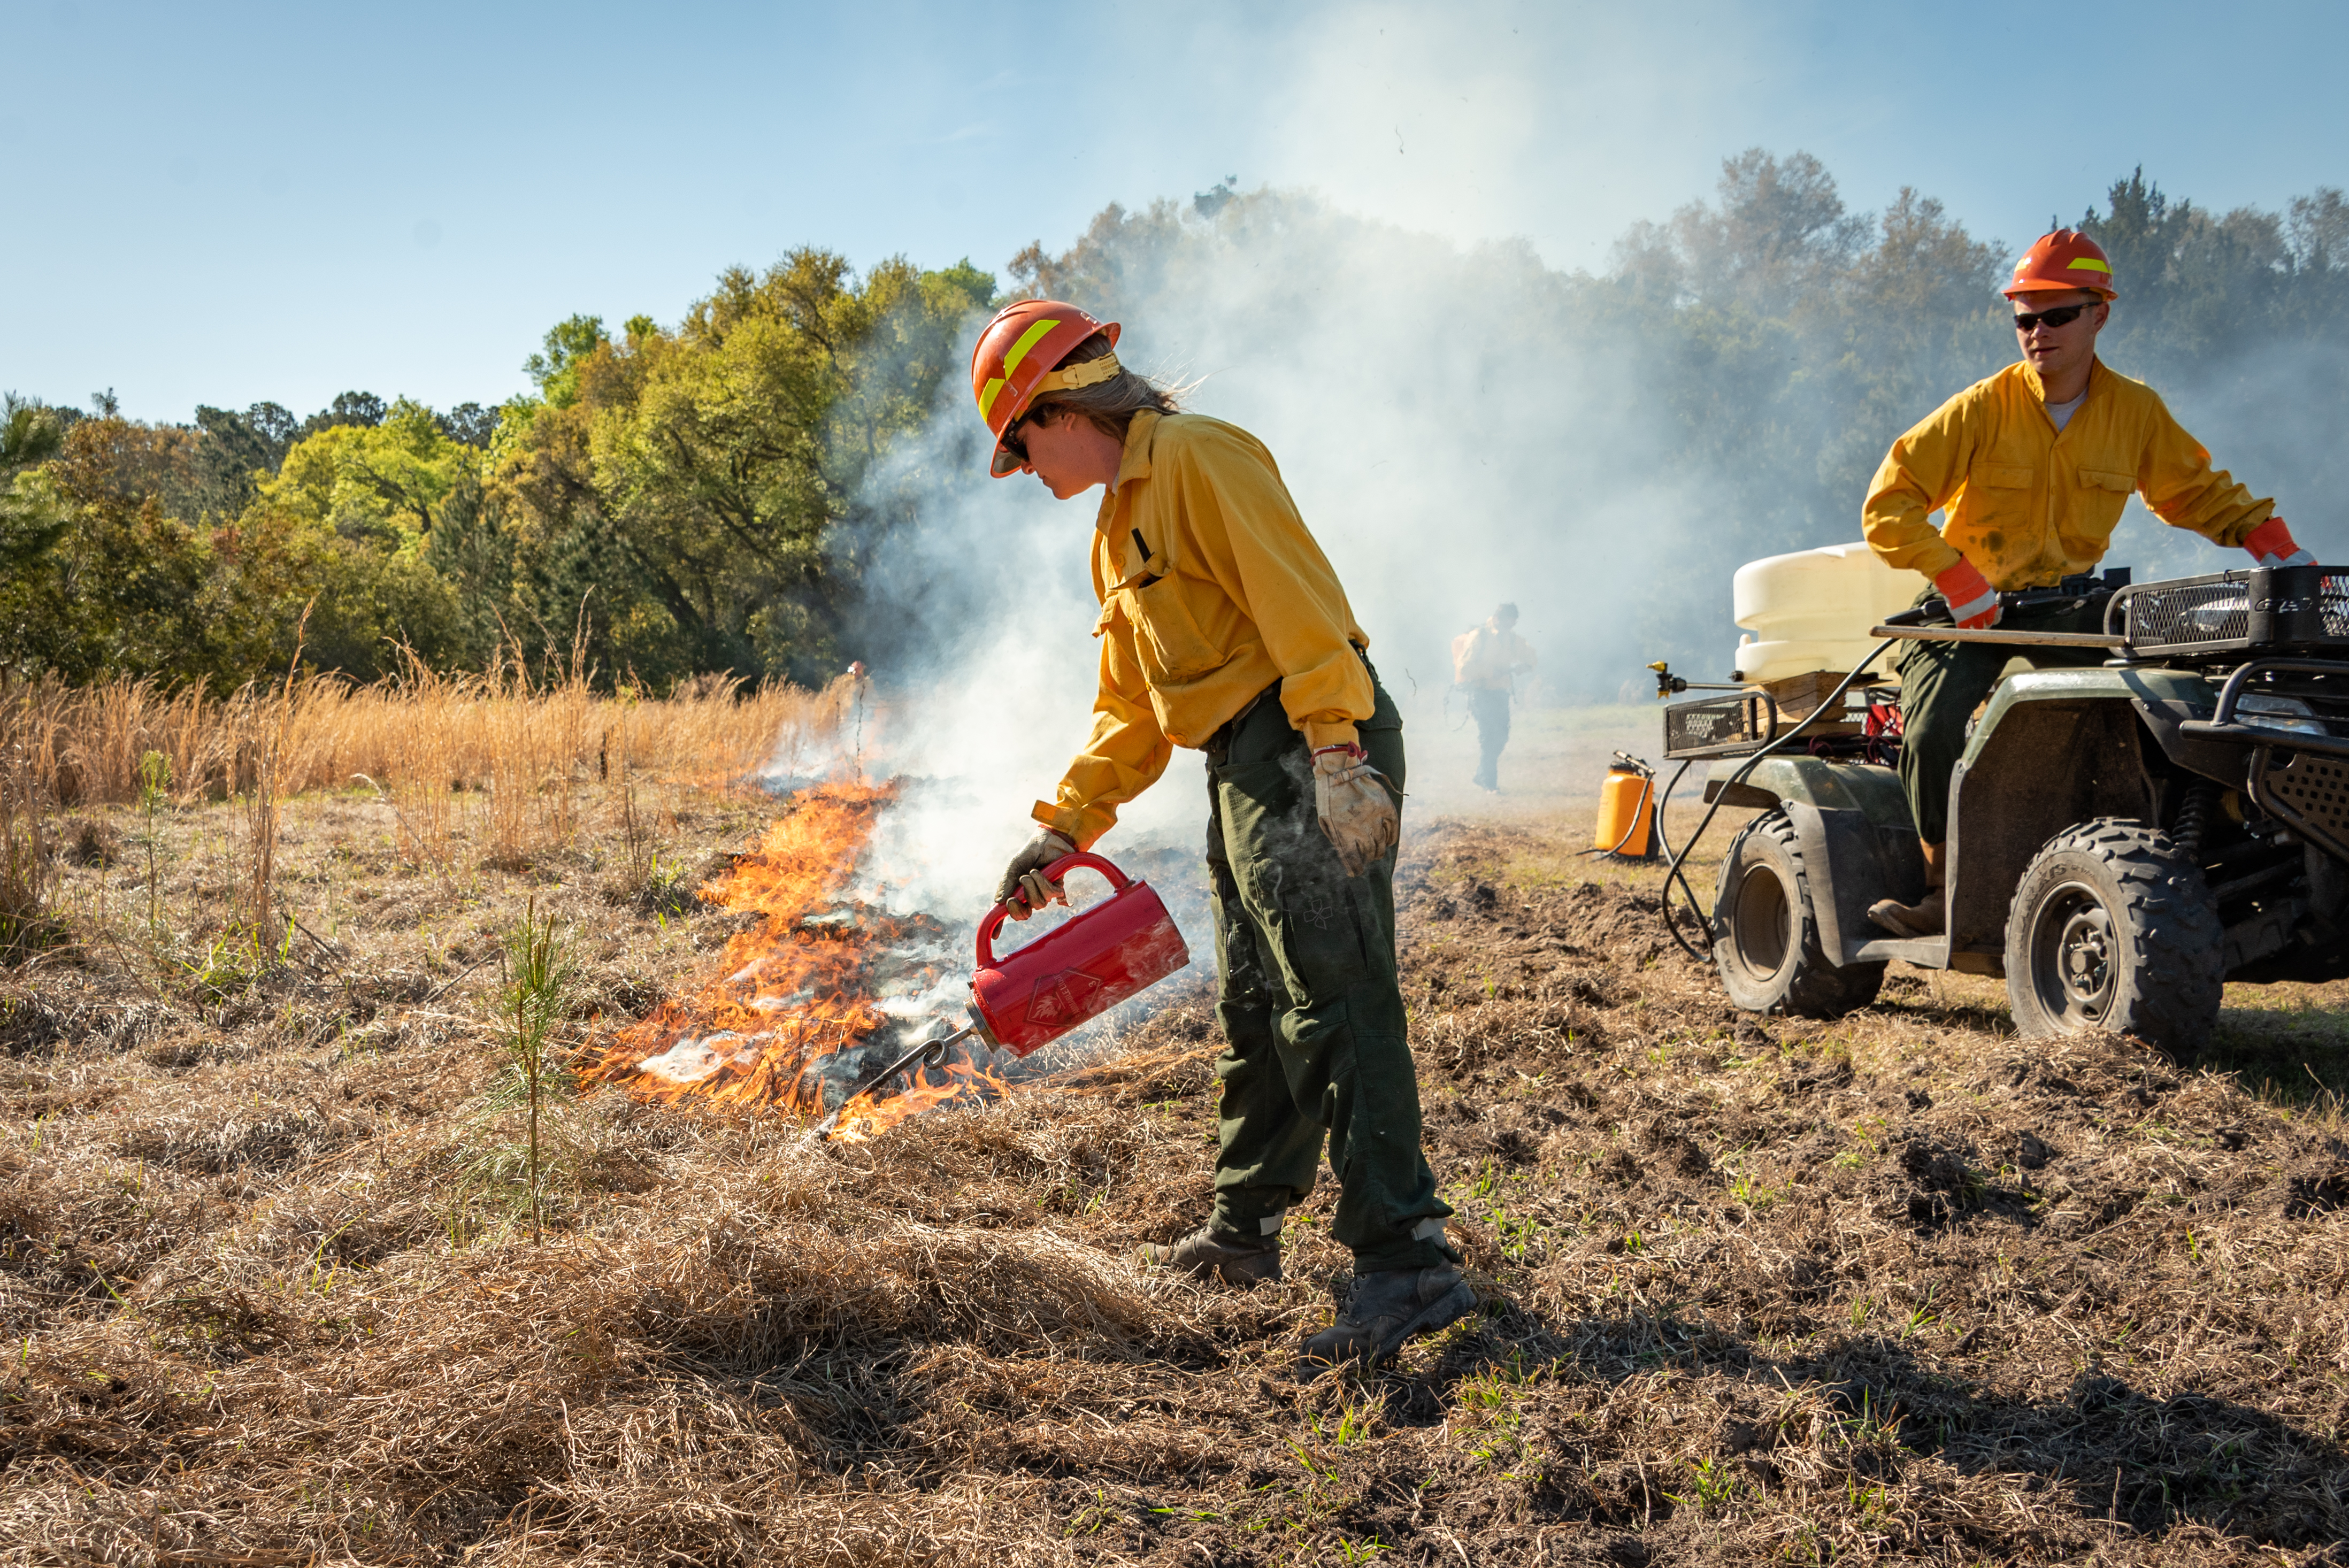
1357	812
1023	890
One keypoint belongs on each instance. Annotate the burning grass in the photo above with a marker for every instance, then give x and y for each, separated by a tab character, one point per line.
1900	1288
792	987
818	992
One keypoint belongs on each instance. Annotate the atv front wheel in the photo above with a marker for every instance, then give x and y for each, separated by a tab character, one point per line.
1764	941
2113	928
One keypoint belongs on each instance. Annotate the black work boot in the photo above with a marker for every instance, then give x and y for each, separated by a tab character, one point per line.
1386	1309
1242	1261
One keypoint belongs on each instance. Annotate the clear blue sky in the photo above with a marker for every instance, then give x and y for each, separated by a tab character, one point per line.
224	203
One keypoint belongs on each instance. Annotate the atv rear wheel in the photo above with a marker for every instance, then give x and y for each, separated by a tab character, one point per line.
1764	941
2113	928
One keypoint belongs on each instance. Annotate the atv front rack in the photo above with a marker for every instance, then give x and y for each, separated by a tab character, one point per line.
2266	610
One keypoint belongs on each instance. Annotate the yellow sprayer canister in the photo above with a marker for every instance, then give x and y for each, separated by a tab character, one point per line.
1626	808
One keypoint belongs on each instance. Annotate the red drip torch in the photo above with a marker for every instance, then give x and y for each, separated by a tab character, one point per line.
1073	974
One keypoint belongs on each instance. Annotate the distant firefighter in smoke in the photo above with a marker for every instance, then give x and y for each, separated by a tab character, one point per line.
1487	660
2033	465
1223	629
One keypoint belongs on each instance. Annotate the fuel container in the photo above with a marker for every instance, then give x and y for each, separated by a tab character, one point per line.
1626	804
1079	970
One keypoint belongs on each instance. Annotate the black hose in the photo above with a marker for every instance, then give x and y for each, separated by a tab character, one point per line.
1663	841
1834	701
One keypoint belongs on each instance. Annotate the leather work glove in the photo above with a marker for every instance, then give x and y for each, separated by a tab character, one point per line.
1023	890
1357	812
1973	603
2271	544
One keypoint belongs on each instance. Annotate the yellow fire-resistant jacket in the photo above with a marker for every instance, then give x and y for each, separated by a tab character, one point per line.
1232	595
1485	660
2028	505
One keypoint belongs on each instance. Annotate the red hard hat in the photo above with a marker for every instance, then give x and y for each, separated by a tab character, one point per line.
1018	352
2066	259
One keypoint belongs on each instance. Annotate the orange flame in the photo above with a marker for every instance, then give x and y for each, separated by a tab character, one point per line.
799	985
864	1117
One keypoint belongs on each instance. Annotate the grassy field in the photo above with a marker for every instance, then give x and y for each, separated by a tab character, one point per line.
1899	1288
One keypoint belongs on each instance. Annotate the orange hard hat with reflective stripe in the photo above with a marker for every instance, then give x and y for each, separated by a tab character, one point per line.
1018	360
2066	259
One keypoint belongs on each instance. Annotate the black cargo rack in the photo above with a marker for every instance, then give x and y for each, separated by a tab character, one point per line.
1729	726
2267	609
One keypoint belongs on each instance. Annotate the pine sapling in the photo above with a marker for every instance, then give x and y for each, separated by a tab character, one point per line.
154	788
538	972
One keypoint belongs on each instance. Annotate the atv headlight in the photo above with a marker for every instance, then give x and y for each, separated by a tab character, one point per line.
2286	713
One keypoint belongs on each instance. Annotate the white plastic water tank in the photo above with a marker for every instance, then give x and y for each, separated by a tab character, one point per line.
1811	610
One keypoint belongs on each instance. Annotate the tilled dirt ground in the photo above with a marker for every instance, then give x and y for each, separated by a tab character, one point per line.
1902	1287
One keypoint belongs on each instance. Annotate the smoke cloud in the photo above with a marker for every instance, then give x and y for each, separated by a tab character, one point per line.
1443	456
1464	426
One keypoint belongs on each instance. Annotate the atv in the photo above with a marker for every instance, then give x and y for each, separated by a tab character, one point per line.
2123	839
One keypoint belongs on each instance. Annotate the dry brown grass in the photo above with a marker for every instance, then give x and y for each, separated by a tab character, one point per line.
498	733
1900	1289
493	767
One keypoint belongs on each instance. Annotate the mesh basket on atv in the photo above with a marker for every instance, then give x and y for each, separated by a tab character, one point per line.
1729	726
2302	609
1742	723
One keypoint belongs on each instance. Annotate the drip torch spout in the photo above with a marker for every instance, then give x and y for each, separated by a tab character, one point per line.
928	1054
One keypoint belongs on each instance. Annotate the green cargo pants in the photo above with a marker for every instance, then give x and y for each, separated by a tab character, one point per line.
1941	683
1312	1012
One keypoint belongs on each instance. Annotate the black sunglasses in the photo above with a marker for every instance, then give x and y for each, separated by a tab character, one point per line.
2062	315
1010	441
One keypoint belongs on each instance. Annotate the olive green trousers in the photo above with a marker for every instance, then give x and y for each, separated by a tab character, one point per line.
1313	1012
1942	683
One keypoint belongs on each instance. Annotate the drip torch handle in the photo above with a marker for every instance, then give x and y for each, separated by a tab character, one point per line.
1059	869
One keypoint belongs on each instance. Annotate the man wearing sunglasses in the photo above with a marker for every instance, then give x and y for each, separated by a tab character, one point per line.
2031	469
1223	628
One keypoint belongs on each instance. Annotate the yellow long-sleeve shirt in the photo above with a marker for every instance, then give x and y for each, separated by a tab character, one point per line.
2028	504
1485	660
1231	594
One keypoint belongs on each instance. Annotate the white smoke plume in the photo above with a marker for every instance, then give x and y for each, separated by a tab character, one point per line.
1459	427
1443	457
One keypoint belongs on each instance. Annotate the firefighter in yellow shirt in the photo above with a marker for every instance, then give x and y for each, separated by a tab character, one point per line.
1222	628
1487	660
2031	467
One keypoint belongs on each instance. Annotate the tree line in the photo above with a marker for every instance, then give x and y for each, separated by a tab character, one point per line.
667	504
670	502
